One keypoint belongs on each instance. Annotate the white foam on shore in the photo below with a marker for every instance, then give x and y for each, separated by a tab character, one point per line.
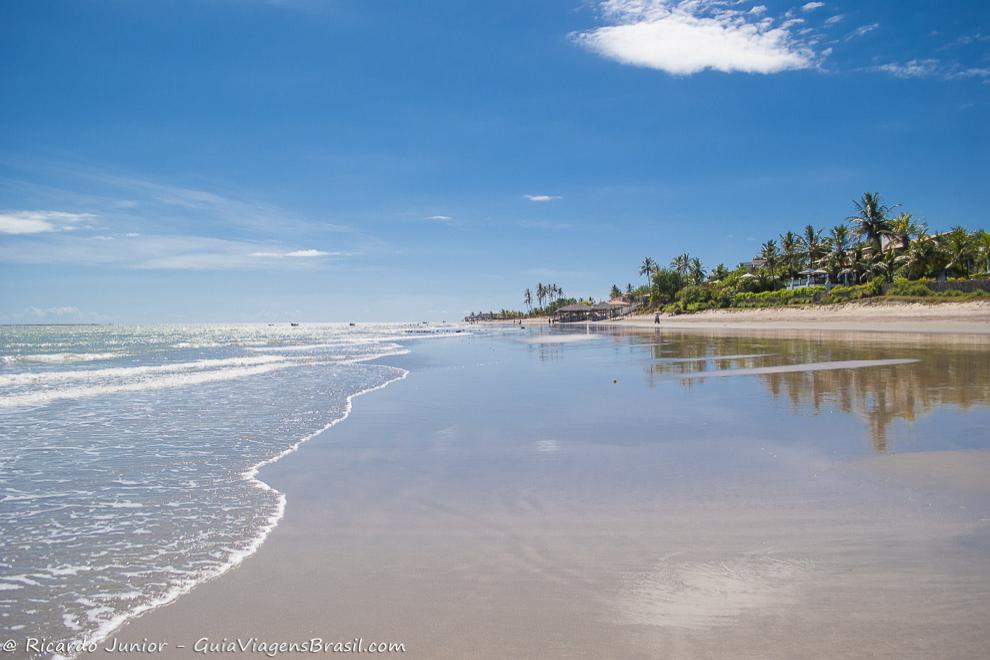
58	358
796	368
33	378
168	381
250	475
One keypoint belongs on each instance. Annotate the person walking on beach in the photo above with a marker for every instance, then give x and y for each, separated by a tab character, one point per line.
656	318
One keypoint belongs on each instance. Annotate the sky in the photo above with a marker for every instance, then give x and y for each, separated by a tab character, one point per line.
344	160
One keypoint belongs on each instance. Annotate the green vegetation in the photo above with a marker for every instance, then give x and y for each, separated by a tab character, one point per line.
873	254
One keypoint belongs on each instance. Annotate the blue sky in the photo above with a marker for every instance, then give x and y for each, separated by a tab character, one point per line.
242	160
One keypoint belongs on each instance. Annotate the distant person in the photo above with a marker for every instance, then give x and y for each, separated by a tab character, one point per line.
656	318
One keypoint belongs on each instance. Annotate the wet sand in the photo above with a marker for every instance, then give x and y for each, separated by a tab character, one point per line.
598	499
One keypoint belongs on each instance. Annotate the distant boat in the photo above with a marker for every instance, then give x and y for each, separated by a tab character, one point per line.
352	324
294	325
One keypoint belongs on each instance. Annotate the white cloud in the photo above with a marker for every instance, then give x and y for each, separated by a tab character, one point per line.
439	218
812	6
758	9
158	251
972	72
911	68
295	254
684	37
835	19
862	30
542	198
39	222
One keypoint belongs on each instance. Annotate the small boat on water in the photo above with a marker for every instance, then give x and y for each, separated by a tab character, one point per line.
294	325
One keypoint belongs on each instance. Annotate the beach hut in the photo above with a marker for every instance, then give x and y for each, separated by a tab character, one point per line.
570	313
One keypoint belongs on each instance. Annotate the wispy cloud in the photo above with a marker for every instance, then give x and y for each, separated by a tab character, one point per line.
439	218
684	37
832	20
862	30
39	222
297	254
157	251
911	68
542	198
132	222
934	68
812	6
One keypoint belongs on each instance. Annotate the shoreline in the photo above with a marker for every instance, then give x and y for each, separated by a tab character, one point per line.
110	628
413	524
942	317
964	318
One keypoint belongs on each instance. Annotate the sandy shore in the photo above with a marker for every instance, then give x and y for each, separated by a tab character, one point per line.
515	499
942	318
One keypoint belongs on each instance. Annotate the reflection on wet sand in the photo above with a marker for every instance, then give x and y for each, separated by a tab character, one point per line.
898	377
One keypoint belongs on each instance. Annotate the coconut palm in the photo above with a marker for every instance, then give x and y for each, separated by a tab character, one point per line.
696	271
541	293
646	269
528	299
982	239
719	273
923	257
838	255
682	264
771	257
857	264
961	251
790	254
870	221
884	266
813	246
903	229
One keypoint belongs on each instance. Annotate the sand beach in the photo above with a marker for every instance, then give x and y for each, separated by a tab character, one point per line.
590	493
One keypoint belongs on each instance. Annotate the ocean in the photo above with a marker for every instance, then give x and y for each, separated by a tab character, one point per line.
129	455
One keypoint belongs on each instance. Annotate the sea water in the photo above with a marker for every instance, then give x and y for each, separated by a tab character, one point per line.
129	455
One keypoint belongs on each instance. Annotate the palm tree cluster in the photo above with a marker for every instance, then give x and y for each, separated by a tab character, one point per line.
872	243
546	297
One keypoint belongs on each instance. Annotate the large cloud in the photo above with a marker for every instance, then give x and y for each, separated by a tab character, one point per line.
683	37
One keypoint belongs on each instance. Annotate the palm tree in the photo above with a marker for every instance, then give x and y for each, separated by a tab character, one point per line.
884	266
719	273
790	255
615	293
646	268
814	248
960	250
870	221
857	263
682	264
903	228
838	256
923	257
771	257
696	271
528	299
541	293
983	247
